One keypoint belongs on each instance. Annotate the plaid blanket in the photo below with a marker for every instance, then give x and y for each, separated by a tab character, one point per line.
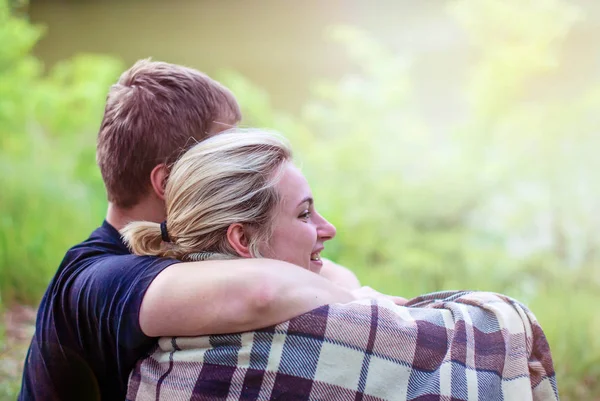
441	346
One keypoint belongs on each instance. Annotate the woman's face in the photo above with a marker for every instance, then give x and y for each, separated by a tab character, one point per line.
299	232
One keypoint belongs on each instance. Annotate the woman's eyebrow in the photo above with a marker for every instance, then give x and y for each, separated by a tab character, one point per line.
308	199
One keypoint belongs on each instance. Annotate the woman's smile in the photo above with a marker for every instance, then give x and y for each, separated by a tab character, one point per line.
299	231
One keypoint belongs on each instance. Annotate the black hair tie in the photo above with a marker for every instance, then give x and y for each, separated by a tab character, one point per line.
163	232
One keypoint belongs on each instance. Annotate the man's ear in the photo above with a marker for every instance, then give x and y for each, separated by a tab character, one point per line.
158	178
238	239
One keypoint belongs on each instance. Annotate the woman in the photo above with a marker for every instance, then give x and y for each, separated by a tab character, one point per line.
238	194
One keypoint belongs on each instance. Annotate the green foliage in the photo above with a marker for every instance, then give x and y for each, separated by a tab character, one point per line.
52	192
502	199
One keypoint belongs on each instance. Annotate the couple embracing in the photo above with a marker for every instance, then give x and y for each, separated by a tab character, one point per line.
205	281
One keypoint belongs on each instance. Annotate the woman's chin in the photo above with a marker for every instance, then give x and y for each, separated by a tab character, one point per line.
315	266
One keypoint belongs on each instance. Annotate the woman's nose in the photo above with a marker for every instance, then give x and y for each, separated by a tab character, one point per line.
326	230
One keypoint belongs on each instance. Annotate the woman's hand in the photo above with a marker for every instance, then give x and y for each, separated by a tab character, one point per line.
369	293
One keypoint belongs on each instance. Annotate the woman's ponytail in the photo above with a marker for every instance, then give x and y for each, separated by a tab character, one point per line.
144	238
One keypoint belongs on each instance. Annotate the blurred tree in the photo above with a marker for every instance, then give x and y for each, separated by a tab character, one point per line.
423	201
510	128
52	193
503	200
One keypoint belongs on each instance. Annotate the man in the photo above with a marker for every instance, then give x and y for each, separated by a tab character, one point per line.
104	306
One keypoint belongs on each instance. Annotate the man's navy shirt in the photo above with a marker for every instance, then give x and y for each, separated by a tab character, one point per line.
87	336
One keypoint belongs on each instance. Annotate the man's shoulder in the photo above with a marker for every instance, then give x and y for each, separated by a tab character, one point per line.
104	240
91	305
104	255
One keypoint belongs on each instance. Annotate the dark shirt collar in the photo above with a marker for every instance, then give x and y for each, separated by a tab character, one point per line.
112	234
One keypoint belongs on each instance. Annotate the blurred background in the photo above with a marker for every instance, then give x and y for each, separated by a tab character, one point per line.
454	143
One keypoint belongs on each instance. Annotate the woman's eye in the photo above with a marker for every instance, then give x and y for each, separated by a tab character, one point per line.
305	215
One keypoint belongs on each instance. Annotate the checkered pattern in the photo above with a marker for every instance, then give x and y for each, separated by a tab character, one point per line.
442	346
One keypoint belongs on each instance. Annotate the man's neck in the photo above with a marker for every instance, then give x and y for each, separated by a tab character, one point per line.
119	217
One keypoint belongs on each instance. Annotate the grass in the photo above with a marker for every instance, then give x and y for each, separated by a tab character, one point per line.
16	328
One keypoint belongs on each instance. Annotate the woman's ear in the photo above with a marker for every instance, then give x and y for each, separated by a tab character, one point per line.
158	178
238	239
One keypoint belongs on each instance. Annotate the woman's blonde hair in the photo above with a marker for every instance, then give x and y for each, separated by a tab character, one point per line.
228	178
